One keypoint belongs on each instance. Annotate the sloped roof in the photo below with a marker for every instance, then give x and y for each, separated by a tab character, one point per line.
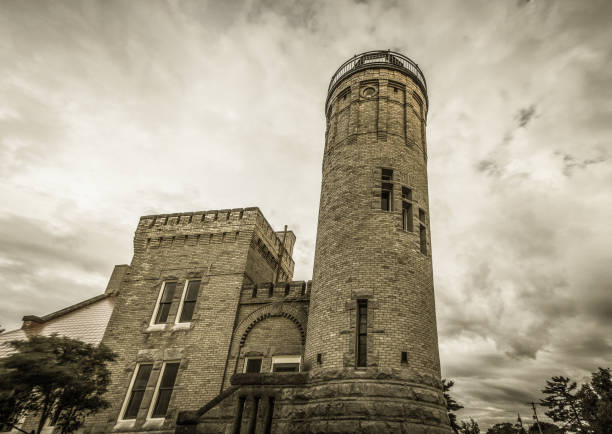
85	321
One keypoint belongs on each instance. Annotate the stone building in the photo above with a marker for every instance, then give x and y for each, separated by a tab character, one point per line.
214	336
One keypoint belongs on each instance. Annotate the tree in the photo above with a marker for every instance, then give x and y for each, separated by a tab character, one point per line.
470	427
503	428
596	402
563	403
57	377
451	404
547	428
588	410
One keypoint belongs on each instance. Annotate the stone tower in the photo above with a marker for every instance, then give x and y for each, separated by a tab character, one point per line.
372	322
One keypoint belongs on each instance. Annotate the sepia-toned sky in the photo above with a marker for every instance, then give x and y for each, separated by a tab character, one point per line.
110	110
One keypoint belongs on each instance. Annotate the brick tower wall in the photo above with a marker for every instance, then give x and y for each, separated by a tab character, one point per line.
375	120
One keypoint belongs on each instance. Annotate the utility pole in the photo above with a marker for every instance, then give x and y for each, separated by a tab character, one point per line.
535	416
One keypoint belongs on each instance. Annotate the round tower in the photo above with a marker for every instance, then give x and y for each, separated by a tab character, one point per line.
372	320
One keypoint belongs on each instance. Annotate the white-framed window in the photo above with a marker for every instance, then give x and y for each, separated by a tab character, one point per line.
286	363
136	390
188	301
164	301
163	390
252	365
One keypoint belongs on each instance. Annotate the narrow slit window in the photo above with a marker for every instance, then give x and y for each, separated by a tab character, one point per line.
422	215
362	333
165	301
423	236
165	388
407	216
191	295
386	197
137	391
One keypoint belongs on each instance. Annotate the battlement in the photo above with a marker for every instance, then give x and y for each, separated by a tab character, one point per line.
190	219
224	224
268	291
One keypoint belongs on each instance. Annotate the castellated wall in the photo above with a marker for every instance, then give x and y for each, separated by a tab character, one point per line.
224	250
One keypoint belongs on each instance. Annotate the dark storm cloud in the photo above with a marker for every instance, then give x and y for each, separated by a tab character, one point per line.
112	110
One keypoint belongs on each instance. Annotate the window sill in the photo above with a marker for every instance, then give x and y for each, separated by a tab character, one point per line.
154	422
123	425
181	326
156	328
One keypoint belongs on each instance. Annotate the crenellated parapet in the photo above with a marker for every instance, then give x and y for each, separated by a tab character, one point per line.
268	291
163	232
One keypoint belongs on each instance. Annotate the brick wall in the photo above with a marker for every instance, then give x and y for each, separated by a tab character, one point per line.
375	120
214	247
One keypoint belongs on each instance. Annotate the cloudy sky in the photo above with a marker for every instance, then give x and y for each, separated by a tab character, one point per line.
112	110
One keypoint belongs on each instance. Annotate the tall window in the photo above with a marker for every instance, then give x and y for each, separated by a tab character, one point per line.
190	295
164	303
362	333
407	209
136	391
423	234
423	231
164	390
386	192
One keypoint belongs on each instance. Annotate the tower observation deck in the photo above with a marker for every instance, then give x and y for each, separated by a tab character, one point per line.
377	59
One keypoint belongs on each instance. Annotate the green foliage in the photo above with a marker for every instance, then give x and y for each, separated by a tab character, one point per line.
451	404
587	410
56	377
470	427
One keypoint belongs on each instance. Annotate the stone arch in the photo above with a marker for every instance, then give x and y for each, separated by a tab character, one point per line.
268	311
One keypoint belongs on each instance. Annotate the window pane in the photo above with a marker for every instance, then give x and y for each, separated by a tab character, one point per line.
286	367
169	375
132	409
163	400
168	292
406	193
384	200
162	313
192	290
253	365
142	377
187	312
423	234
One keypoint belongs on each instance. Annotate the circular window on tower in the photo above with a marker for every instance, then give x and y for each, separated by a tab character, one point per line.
369	91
